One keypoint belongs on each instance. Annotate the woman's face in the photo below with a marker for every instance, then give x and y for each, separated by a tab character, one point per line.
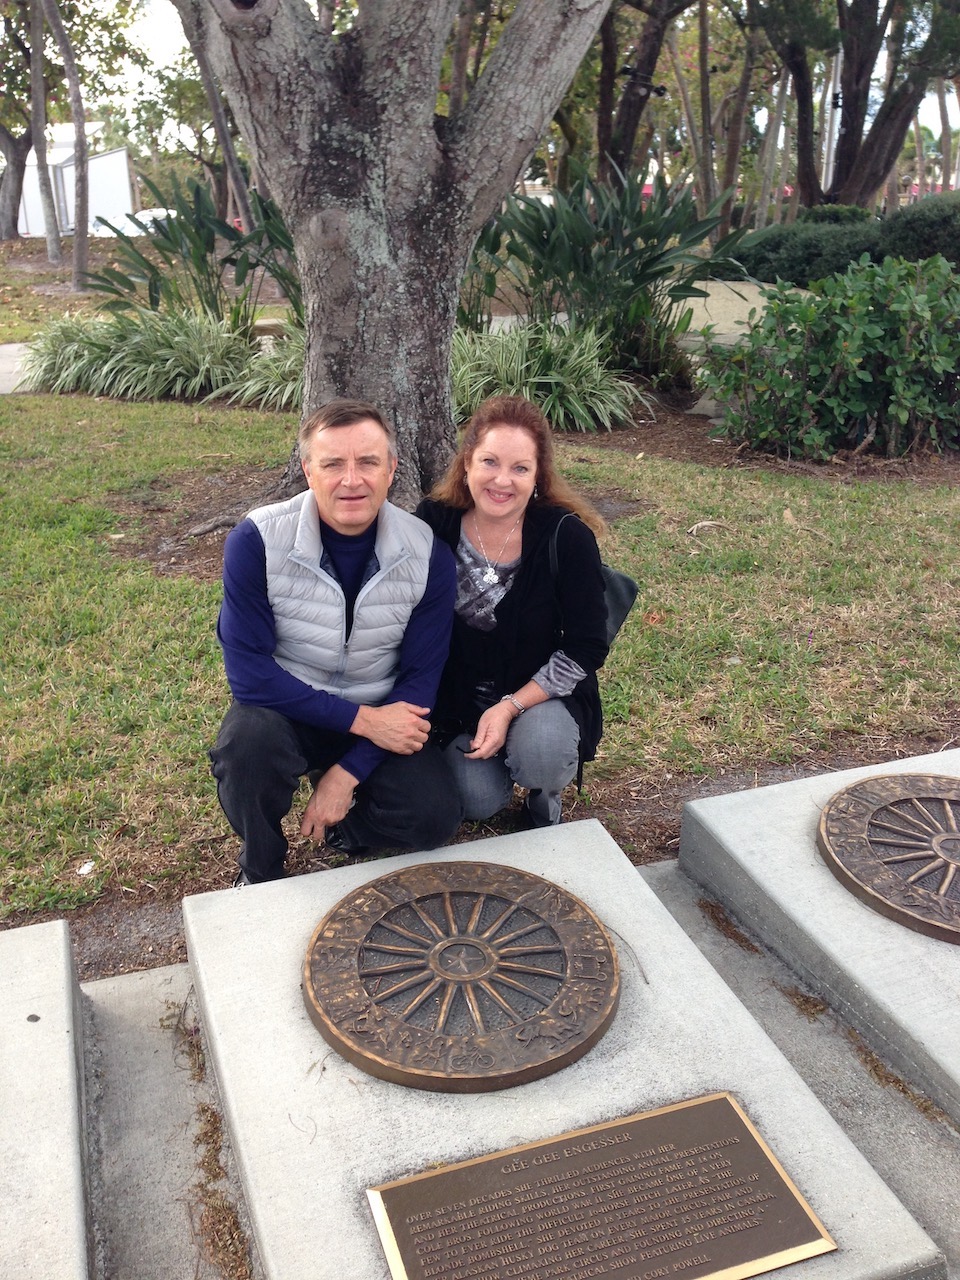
502	472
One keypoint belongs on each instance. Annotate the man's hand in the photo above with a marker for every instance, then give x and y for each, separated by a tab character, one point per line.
399	727
491	731
330	802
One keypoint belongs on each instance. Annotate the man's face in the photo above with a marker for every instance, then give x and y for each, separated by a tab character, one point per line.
349	470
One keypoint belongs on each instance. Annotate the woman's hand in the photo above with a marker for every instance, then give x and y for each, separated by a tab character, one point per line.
491	731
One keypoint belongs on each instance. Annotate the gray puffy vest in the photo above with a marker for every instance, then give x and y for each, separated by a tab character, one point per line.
309	607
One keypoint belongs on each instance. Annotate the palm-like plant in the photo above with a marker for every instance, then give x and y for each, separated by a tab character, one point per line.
615	260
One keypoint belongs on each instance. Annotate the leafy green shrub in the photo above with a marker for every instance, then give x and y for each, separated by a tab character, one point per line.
140	355
872	362
926	228
805	252
562	370
834	214
611	260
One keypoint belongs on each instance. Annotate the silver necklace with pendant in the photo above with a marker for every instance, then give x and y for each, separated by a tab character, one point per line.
490	575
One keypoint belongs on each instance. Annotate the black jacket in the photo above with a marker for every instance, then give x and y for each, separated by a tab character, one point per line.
535	617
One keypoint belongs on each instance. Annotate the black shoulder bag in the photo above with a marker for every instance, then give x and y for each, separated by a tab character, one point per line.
619	590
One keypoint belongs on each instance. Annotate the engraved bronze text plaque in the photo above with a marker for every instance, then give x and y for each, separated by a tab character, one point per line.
461	976
689	1190
894	842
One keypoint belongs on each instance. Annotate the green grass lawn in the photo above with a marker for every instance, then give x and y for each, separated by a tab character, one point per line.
777	616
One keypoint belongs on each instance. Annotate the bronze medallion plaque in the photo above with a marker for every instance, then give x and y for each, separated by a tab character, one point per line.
689	1190
895	842
461	976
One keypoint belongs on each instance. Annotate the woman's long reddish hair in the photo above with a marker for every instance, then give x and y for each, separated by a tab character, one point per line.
514	411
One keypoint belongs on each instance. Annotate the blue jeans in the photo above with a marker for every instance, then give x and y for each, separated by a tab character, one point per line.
259	758
541	753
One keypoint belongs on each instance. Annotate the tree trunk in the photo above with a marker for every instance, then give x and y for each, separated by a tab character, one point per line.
235	177
38	125
736	127
769	154
639	85
707	177
15	152
690	118
811	193
946	137
383	201
883	143
862	29
606	93
921	159
81	202
461	57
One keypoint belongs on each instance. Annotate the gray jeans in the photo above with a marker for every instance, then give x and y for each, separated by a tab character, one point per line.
541	753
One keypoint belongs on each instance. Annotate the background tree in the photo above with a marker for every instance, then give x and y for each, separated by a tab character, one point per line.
383	198
38	129
98	34
81	202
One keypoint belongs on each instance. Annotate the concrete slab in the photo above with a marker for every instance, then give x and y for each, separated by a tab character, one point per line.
144	1121
11	365
311	1132
43	1208
755	851
915	1150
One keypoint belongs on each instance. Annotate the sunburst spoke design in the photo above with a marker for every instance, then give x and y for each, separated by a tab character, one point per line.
405	933
519	933
379	970
907	842
397	987
914	830
513	967
465	977
947	880
415	1004
471	998
523	988
428	921
893	859
498	999
933	865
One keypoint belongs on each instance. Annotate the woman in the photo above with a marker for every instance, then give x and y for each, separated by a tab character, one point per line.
518	702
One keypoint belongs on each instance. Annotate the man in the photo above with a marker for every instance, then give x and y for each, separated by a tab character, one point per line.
335	625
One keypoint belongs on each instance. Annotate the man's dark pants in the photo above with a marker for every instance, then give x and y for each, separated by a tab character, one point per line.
407	802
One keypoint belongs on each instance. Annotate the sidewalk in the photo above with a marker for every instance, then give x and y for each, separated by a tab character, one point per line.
11	361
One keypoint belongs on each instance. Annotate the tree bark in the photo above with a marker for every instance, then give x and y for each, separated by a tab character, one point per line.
769	154
946	137
38	124
383	201
883	143
15	151
81	202
461	56
863	25
736	127
639	85
235	177
707	177
808	183
689	116
921	158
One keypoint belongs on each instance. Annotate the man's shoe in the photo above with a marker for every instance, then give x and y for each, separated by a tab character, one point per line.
241	880
335	838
